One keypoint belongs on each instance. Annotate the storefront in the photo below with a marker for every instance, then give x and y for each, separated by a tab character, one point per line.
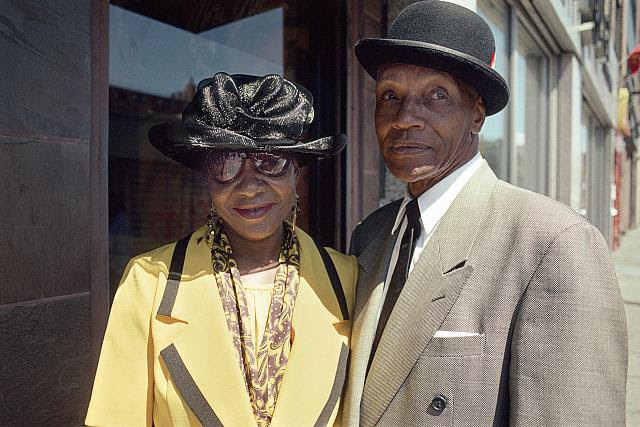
84	190
158	52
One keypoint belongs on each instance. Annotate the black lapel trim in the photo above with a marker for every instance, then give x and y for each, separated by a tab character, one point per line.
335	280
188	388
336	390
175	273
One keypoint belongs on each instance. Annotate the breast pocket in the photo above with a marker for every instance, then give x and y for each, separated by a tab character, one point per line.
472	345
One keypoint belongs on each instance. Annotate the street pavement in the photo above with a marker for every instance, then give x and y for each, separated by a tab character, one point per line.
626	260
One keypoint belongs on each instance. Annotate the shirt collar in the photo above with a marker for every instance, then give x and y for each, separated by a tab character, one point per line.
435	202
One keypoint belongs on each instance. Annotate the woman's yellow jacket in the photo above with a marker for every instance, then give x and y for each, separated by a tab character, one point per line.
167	356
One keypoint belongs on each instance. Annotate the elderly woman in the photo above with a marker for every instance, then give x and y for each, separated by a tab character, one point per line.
245	321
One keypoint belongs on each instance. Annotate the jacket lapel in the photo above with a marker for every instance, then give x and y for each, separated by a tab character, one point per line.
427	297
374	262
315	374
196	346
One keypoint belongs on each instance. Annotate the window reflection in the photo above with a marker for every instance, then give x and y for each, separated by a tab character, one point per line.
584	166
594	192
529	102
157	53
156	58
493	137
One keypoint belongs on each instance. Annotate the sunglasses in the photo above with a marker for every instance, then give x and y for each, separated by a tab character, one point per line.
225	166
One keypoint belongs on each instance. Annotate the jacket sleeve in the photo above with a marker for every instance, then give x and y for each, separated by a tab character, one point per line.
569	343
123	386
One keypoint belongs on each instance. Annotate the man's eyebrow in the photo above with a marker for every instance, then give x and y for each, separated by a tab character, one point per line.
392	79
385	74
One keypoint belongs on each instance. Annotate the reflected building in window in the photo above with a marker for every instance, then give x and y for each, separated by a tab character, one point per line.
157	55
494	137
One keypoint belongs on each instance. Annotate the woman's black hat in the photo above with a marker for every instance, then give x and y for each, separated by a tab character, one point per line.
243	112
443	36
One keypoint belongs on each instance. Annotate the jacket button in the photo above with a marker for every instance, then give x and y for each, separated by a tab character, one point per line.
439	403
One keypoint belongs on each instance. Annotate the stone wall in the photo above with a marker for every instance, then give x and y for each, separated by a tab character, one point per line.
45	129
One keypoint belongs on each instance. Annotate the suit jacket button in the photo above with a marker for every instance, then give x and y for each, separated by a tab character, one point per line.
438	404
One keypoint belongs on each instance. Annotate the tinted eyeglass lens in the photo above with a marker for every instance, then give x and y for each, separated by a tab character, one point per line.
270	164
225	167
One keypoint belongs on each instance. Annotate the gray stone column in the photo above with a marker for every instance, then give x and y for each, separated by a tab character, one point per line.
45	220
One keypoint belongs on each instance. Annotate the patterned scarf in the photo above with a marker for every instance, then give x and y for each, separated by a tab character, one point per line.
264	375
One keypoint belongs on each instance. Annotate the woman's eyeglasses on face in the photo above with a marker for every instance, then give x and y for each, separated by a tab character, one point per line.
225	166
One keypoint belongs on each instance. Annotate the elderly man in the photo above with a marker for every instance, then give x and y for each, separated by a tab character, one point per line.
478	303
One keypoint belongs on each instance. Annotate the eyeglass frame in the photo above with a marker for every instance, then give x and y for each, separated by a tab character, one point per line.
244	154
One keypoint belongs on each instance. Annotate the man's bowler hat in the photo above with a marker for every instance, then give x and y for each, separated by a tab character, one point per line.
443	36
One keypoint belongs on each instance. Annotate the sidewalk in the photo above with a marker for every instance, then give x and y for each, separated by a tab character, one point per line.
627	263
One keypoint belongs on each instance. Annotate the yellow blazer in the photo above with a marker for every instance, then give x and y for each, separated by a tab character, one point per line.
167	356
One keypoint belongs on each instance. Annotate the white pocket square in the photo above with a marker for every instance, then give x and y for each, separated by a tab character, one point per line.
452	334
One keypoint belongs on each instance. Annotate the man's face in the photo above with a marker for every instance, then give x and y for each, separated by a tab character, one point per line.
426	122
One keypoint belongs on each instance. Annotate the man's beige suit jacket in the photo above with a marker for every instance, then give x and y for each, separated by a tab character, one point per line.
532	285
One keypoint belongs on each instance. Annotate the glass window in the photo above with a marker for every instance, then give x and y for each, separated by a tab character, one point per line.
587	135
595	184
391	188
631	15
529	100
155	58
158	52
597	195
494	134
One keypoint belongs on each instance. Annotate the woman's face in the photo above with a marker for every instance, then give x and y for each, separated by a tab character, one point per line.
254	205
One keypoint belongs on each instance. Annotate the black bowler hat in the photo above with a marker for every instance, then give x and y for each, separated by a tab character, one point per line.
243	112
443	36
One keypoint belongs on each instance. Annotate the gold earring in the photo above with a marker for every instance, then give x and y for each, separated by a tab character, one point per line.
295	210
212	219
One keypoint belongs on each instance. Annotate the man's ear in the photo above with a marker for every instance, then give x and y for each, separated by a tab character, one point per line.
479	114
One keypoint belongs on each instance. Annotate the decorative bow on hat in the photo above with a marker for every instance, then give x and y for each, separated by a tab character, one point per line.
264	109
242	112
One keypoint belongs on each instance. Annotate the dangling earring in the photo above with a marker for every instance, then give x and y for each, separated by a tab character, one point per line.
295	210
212	218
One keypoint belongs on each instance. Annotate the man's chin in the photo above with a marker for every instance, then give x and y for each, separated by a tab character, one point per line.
415	174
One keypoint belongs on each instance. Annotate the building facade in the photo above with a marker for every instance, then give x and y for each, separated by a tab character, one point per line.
627	202
557	134
83	191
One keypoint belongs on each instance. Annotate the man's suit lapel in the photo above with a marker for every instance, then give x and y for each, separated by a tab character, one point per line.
427	297
374	263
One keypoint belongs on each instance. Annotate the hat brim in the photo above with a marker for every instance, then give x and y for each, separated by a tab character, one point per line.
190	145
373	52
